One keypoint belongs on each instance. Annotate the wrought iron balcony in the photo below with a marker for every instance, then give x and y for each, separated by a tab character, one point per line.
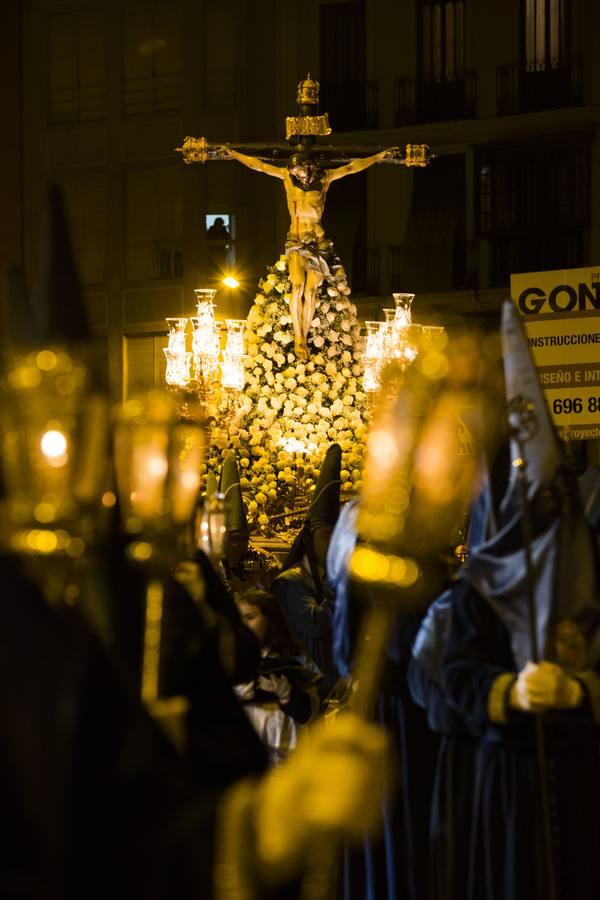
366	271
424	100
465	264
394	267
464	267
373	270
544	84
533	252
153	260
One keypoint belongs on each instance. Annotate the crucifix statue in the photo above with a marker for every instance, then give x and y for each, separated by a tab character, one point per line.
306	169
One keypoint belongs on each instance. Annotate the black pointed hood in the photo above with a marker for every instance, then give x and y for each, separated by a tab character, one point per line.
325	505
59	299
229	486
212	485
323	511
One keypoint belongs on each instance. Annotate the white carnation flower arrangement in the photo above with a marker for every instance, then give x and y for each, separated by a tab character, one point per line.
292	410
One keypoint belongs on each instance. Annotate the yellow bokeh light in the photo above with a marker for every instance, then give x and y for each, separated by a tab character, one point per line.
231	282
53	444
62	538
156	465
46	360
434	365
24	377
382	447
44	512
190	481
366	564
372	566
43	541
140	551
75	548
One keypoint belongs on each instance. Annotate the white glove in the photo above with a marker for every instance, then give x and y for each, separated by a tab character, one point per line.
244	691
276	684
545	685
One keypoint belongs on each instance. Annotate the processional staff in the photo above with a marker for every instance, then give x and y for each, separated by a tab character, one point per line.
524	424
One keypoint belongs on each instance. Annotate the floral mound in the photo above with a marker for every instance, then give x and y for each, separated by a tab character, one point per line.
293	410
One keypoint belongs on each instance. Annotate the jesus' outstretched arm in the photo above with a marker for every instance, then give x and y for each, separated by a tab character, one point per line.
357	165
252	163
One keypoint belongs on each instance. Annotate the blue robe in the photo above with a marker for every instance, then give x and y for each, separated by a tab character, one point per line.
456	766
395	865
507	850
309	618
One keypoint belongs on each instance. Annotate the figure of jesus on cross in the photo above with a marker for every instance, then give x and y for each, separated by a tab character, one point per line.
306	175
309	252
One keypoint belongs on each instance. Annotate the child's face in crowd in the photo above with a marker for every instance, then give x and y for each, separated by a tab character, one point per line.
253	618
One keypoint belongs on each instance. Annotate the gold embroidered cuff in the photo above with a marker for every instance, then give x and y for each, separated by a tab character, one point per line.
591	684
497	697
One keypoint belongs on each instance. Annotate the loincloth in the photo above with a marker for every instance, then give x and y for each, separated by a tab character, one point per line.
320	256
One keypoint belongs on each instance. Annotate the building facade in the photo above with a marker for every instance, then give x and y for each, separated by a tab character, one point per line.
98	95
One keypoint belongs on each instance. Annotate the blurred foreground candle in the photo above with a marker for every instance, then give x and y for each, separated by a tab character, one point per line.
157	460
53	446
211	528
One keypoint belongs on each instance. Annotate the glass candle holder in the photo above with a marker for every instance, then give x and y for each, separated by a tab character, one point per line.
402	313
205	299
373	343
235	337
206	341
232	372
178	367
371	376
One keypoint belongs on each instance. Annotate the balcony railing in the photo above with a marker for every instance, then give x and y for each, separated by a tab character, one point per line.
531	253
464	268
373	270
394	268
153	260
92	264
421	100
537	86
366	270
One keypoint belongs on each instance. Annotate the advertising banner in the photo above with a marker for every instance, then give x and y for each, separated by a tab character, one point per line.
561	313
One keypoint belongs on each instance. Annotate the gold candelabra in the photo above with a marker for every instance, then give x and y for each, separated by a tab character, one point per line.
203	375
392	345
